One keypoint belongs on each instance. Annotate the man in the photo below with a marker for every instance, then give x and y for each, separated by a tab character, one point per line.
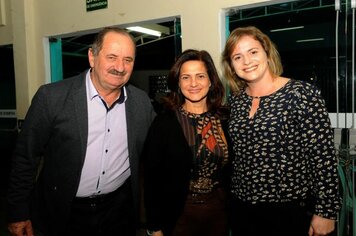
76	164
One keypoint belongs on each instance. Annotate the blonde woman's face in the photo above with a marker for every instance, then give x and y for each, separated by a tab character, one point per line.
249	59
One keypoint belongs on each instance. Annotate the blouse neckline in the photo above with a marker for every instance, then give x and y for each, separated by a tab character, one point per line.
193	115
269	95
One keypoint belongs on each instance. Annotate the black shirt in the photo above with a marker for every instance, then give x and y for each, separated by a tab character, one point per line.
286	150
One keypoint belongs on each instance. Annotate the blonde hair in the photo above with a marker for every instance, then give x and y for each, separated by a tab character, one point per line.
274	61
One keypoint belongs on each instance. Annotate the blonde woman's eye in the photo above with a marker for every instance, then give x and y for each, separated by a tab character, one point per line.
236	58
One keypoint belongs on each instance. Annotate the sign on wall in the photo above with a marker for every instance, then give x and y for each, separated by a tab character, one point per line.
96	4
2	13
8	113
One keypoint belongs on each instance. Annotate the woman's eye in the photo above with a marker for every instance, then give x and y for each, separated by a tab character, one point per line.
236	58
202	76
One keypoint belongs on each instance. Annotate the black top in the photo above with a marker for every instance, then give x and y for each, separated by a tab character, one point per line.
207	141
168	163
285	151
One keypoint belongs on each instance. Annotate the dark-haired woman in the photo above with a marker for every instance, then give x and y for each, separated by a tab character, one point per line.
186	154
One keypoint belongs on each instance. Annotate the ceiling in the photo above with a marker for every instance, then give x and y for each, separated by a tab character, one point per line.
153	53
300	60
316	16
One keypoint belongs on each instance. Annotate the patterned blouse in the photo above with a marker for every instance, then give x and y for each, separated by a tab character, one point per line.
208	144
286	150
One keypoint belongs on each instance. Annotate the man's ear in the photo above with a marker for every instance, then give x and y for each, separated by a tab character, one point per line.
91	57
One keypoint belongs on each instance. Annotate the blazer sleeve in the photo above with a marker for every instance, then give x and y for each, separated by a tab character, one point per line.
27	155
154	150
167	164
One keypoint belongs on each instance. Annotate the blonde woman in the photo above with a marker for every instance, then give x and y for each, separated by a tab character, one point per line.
284	171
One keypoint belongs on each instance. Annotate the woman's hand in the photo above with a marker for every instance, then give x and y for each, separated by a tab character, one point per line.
320	226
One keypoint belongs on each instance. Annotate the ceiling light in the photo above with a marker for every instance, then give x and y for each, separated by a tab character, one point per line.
309	40
288	28
145	30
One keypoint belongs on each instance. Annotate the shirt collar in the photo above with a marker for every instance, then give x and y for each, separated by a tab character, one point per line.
92	92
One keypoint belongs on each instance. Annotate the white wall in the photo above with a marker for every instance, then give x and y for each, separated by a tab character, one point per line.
33	21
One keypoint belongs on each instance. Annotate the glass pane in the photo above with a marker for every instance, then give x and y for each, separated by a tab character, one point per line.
315	43
304	33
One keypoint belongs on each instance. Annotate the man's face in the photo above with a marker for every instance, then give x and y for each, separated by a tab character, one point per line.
112	67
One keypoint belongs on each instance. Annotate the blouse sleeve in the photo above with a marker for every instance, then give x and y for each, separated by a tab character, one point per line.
320	151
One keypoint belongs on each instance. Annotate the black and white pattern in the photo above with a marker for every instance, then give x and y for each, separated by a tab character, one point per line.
285	151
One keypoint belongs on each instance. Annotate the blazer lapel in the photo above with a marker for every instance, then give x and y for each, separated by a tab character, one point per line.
130	116
79	97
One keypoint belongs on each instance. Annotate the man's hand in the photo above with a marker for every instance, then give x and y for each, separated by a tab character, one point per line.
320	226
22	228
157	233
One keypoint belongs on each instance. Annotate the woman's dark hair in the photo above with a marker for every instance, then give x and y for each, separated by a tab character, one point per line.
216	93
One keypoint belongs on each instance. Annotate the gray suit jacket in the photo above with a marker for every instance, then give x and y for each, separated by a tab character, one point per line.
54	138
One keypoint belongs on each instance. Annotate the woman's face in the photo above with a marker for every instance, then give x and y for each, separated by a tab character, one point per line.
194	82
249	59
